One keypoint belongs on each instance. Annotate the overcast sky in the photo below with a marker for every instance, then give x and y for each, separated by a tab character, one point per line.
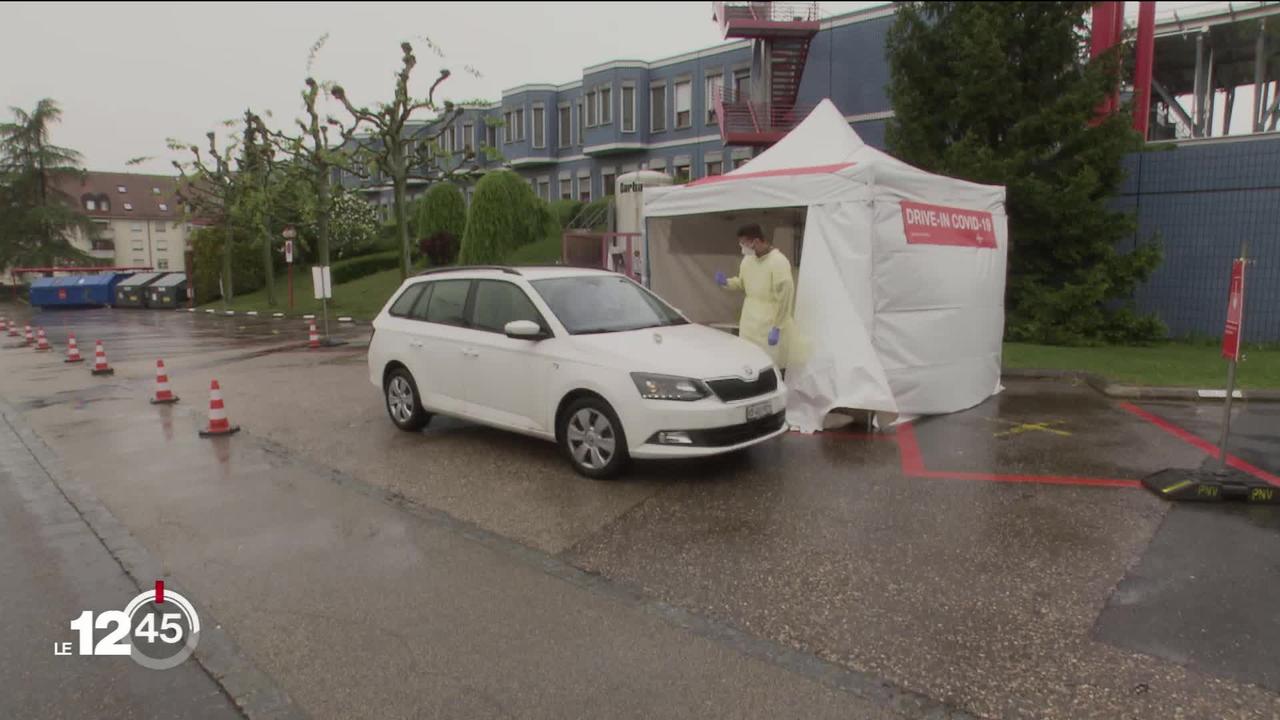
129	75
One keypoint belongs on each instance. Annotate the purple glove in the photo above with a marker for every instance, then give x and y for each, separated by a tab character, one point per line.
721	280
774	335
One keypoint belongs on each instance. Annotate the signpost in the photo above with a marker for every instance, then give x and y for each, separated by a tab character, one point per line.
1231	335
322	282
289	234
1217	481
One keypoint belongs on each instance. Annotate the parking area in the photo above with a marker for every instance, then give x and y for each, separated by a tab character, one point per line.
1000	562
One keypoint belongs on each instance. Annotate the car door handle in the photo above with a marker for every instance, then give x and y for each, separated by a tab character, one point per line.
470	353
415	344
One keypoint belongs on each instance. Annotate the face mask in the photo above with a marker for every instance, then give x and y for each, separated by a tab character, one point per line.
746	250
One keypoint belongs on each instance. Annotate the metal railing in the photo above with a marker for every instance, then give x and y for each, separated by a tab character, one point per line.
764	12
738	113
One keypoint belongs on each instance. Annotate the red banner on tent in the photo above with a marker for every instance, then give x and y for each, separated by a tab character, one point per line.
1235	312
926	224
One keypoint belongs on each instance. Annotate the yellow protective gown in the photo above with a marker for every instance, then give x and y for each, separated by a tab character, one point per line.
771	295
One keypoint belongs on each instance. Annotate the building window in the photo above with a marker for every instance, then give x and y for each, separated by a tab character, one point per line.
658	108
544	189
628	108
164	207
739	162
519	115
682	173
584	188
539	126
591	109
468	132
137	227
90	204
684	104
659	164
122	189
128	206
714	83
162	247
137	261
741	82
490	134
564	125
162	264
578	128
507	127
715	167
606	105
608	179
160	226
566	189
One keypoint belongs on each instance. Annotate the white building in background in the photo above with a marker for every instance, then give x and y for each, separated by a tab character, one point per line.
138	217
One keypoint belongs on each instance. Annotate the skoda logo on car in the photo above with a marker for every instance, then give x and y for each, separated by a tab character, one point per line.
588	359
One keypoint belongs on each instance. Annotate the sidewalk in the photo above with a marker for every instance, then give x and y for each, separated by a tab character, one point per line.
52	568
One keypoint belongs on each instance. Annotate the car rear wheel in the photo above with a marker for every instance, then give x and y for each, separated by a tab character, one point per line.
592	437
402	402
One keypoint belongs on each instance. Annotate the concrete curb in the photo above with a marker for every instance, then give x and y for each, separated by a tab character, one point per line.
1136	392
252	691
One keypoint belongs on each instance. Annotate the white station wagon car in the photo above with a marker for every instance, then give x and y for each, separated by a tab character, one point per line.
587	358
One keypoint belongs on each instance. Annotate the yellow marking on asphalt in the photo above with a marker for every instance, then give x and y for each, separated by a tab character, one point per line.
1019	428
1176	486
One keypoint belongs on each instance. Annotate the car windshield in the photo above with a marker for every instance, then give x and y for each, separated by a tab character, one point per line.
604	303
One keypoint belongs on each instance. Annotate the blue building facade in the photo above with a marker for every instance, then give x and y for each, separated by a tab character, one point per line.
573	140
1199	198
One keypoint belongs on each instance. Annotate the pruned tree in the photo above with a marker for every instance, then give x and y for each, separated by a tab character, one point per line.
402	150
254	192
207	187
319	148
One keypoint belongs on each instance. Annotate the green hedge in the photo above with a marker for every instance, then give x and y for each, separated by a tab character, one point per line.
348	270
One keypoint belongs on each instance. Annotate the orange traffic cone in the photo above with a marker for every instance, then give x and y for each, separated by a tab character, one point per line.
314	341
73	350
100	366
42	344
164	396
13	329
218	424
27	338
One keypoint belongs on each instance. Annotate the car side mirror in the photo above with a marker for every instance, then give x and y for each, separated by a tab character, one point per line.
524	330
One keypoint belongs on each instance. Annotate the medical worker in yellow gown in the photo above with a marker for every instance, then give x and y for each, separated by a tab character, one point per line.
765	277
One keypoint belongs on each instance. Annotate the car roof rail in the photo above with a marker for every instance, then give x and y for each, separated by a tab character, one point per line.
453	268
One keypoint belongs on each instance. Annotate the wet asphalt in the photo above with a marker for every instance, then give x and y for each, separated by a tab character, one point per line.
975	576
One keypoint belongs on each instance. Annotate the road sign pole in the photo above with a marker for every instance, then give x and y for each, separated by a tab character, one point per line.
1234	358
290	287
289	234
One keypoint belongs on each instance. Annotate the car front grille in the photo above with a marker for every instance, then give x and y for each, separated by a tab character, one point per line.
730	434
731	389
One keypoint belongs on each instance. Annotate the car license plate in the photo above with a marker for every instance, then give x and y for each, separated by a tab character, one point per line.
759	410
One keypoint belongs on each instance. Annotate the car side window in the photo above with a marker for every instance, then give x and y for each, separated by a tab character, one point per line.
448	302
498	303
419	311
404	303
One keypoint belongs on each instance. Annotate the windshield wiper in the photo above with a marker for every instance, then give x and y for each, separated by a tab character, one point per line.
595	331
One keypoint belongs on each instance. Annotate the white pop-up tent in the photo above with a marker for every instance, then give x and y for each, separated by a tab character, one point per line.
900	273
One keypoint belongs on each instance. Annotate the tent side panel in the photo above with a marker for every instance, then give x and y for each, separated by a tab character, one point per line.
833	364
939	311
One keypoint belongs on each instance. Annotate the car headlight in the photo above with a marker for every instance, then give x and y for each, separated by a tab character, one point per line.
669	387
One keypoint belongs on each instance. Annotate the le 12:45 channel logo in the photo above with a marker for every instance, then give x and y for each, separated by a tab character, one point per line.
158	629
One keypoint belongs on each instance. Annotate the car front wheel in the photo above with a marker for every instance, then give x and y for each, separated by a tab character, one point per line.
402	402
591	435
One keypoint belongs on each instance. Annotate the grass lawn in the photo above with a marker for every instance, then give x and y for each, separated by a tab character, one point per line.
1172	364
361	298
543	252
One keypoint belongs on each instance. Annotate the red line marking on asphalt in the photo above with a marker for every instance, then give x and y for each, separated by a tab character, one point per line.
913	466
1198	442
159	591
